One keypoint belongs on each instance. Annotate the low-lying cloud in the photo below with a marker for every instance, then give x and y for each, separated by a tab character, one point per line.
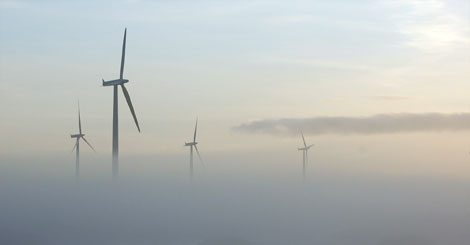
376	124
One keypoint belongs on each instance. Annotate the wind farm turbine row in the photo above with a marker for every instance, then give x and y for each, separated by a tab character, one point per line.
115	138
81	135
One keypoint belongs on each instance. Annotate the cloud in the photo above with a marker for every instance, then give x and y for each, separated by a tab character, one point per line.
430	25
376	124
390	97
315	63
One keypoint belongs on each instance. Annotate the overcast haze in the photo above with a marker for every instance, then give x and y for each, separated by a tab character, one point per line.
380	88
228	62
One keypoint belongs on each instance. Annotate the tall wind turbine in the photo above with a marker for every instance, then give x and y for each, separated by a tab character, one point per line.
304	154
193	144
76	147
115	84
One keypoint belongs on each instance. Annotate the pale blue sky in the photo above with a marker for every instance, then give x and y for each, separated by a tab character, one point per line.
228	62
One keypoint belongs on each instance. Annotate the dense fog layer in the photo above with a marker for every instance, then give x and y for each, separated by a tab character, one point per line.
234	201
376	124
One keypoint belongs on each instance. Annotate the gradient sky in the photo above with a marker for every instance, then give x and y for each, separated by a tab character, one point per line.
380	87
228	62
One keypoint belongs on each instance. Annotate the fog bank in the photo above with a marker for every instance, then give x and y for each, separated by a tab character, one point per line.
231	202
376	124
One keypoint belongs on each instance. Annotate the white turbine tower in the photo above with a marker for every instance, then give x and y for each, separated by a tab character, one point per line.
193	144
115	84
76	147
304	154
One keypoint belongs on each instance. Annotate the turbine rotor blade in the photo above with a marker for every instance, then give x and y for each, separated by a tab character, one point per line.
88	143
79	120
123	54
74	146
129	102
199	155
195	130
303	138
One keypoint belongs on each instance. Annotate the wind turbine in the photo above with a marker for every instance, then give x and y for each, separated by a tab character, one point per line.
304	154
115	84
76	147
193	144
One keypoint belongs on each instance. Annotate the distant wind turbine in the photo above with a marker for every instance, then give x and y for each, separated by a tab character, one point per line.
115	84
76	147
304	154
193	144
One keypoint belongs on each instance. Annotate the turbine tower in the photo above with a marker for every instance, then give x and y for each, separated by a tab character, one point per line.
115	84
76	147
191	145
304	154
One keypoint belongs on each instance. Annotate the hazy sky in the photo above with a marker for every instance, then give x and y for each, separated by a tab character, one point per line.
228	62
380	87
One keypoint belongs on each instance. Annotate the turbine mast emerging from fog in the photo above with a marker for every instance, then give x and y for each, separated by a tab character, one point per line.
304	154
76	147
191	145
115	84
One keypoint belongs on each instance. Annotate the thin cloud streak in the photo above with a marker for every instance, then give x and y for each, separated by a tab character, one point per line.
376	124
390	97
315	63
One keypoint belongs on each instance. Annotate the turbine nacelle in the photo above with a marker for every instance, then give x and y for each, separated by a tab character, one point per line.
305	148
76	135
190	143
114	82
